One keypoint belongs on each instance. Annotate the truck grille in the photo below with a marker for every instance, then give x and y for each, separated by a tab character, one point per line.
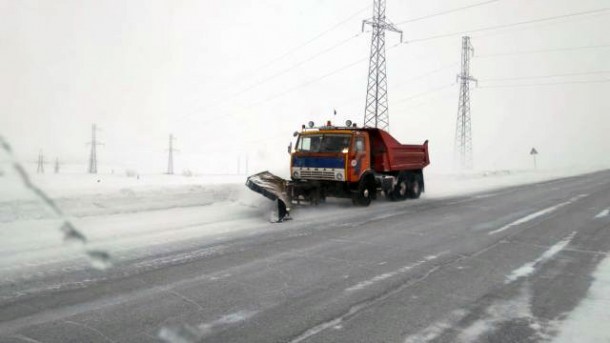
318	174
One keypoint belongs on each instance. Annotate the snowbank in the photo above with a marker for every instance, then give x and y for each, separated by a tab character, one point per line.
452	184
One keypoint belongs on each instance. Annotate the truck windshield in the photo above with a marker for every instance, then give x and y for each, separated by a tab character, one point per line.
324	143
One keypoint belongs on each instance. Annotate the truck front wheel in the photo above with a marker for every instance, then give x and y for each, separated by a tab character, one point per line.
364	194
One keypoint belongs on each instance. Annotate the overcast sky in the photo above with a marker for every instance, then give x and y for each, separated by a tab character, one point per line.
235	78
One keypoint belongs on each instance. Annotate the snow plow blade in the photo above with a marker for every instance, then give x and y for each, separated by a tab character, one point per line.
272	187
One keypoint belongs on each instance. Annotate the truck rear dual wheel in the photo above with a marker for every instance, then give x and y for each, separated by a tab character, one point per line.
408	186
401	189
415	186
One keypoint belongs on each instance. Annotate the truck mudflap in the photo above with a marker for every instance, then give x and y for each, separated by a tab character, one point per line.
274	188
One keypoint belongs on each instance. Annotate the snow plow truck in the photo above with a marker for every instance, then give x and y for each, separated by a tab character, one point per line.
345	162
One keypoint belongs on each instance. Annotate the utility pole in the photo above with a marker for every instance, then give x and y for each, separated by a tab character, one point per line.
40	167
170	157
57	165
93	153
376	107
463	134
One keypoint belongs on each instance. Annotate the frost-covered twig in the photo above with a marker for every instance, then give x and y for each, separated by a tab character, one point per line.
99	259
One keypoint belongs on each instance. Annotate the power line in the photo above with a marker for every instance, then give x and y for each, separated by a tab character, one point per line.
543	25
542	51
421	76
547	84
496	27
419	95
314	80
307	83
322	77
260	83
446	12
290	90
447	35
298	64
347	66
316	37
406	81
272	61
429	101
302	85
545	76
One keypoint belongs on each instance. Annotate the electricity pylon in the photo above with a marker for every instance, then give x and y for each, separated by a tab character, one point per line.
463	134
40	166
376	108
170	157
93	153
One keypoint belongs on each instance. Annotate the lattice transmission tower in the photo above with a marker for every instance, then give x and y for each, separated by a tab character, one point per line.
170	156
376	108
463	134
40	163
93	153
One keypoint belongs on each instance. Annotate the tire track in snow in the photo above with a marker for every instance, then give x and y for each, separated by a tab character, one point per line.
195	333
530	267
603	213
381	277
540	213
497	312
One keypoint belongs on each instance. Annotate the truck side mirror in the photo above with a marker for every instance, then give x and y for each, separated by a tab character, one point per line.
290	147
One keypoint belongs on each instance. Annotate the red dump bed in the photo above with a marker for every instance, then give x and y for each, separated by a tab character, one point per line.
387	154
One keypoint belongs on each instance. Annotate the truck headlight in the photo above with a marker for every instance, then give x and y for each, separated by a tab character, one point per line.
296	174
339	176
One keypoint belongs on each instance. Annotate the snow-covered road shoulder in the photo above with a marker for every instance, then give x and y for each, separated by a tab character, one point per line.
589	321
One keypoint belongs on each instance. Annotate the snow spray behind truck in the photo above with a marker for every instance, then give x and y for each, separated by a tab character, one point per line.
346	162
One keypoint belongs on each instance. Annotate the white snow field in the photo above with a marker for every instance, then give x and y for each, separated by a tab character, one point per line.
131	217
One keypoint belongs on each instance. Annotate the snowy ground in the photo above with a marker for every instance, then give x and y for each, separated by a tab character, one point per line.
157	221
589	321
129	216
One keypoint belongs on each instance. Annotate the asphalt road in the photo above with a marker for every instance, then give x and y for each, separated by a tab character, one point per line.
501	266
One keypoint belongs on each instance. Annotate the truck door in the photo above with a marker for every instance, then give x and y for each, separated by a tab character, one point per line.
362	156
